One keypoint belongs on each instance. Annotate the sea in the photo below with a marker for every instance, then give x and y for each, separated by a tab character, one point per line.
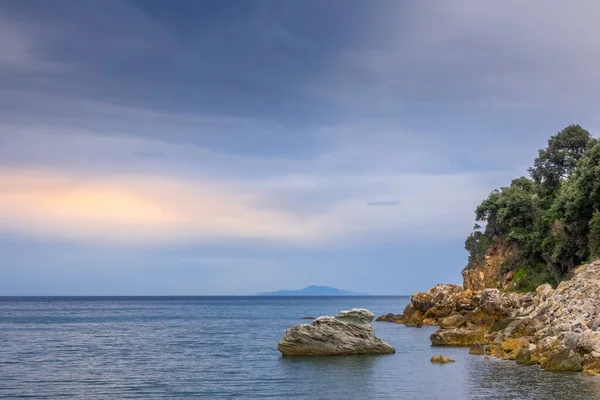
226	347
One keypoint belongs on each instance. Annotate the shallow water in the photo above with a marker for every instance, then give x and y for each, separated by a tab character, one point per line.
226	347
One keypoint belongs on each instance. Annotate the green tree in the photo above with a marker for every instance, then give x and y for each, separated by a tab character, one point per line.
559	159
551	220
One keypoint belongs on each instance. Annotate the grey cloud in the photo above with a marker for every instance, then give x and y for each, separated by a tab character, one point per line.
384	203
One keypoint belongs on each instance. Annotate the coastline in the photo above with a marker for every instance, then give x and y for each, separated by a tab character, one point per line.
557	329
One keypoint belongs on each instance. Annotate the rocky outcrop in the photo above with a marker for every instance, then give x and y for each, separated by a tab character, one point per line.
457	337
559	329
350	332
490	273
461	314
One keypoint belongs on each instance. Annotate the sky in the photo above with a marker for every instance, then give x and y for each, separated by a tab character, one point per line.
210	147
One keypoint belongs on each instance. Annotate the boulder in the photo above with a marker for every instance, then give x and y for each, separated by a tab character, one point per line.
523	356
563	360
422	301
441	359
415	320
457	337
515	344
350	332
453	321
477	348
464	301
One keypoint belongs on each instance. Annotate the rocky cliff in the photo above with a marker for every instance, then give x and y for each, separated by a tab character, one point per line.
493	271
557	329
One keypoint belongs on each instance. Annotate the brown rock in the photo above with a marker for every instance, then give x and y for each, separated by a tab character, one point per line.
479	319
494	350
591	365
441	359
438	311
453	321
515	344
415	320
429	321
488	274
523	356
409	310
390	318
563	360
476	349
422	301
464	301
457	337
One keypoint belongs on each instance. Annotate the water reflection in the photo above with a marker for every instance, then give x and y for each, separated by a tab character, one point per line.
333	374
500	379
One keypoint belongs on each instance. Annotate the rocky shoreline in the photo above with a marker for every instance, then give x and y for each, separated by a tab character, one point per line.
558	329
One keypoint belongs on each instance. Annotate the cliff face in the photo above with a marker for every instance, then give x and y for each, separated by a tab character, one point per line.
490	273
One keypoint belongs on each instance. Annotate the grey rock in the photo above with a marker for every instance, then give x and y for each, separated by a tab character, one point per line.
524	356
350	332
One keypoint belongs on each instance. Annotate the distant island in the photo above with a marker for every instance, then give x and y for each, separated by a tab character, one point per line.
312	291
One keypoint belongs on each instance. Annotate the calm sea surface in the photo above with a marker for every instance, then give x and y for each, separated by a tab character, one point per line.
226	347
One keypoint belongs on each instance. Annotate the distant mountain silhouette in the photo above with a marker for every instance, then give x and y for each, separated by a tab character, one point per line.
312	291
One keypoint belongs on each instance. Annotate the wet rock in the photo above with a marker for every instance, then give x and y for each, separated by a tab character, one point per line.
457	337
523	356
415	320
476	349
591	364
563	360
308	318
350	332
515	344
390	318
441	359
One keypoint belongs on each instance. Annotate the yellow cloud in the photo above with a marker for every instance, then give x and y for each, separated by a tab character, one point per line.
137	209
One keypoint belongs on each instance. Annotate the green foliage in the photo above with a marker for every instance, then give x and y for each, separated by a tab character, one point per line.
477	245
551	219
559	159
527	279
594	236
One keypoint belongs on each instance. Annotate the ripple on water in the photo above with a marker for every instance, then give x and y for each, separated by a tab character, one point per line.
210	347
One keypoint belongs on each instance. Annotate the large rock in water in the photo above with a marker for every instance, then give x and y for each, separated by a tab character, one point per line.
350	332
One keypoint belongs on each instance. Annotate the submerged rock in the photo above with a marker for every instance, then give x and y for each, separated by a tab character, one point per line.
441	359
350	332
